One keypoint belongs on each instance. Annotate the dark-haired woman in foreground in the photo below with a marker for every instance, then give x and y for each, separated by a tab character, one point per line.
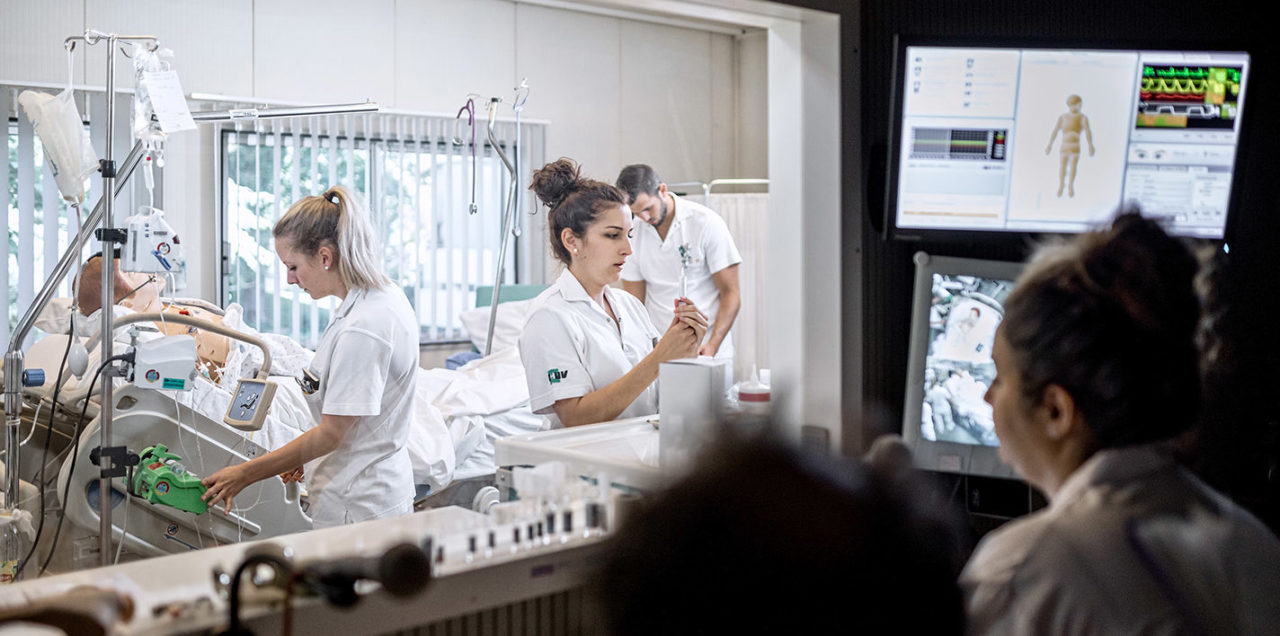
1097	372
590	352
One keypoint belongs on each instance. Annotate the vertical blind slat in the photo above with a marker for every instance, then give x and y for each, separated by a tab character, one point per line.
437	191
6	98
50	232
417	220
237	223
96	107
295	193
26	213
314	316
402	272
447	220
332	125
277	140
255	140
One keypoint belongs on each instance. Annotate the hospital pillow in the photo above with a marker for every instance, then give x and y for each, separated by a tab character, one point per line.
506	330
55	317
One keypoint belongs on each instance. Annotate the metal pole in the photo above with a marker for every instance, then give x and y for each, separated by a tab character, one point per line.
13	419
237	114
108	302
508	209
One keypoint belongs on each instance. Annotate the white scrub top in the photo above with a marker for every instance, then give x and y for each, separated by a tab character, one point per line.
571	347
367	362
655	261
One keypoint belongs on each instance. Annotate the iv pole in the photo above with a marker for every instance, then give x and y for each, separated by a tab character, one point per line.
108	164
113	183
509	228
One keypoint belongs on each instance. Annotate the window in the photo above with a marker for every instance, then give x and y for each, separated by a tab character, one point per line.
417	185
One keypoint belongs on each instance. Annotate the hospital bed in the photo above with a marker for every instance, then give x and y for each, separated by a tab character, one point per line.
458	415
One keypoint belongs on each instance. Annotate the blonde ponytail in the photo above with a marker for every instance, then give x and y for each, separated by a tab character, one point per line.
338	219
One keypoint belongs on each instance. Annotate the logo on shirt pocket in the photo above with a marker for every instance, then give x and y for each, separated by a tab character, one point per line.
556	375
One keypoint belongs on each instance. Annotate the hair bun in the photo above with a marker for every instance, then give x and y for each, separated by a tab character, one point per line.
556	181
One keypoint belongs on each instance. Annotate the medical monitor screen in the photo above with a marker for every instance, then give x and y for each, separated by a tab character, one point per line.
1054	140
957	306
964	312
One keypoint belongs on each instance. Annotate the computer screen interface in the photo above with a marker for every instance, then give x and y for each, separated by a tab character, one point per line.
1040	140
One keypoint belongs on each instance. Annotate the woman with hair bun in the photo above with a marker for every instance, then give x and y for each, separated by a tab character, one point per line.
1097	375
590	352
360	384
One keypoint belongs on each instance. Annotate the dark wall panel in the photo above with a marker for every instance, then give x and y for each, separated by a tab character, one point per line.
1253	285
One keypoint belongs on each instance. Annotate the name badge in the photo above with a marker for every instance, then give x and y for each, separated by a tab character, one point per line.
308	381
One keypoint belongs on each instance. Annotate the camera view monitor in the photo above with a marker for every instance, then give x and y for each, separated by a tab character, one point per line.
991	139
957	303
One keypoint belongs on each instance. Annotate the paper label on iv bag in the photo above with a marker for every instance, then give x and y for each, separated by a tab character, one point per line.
167	101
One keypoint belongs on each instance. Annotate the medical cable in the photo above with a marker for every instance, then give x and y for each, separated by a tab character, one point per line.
150	279
44	456
35	419
124	530
164	325
75	442
470	109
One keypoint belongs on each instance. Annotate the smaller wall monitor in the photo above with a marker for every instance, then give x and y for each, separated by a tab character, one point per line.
957	303
994	139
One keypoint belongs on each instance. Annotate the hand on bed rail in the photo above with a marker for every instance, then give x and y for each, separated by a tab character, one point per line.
295	475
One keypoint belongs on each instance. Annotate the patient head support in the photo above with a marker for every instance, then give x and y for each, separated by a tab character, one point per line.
337	222
574	201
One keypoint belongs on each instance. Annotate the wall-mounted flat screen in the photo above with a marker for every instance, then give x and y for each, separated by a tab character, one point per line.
991	139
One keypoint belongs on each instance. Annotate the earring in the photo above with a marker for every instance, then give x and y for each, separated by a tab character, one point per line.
575	250
326	268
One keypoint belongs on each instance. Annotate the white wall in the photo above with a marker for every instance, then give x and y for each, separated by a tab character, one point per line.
615	90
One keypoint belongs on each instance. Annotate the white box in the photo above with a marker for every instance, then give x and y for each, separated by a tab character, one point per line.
690	403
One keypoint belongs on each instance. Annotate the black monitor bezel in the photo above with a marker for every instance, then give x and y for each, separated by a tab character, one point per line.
1005	237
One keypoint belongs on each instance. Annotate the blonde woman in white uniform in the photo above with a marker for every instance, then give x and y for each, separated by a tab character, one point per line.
590	352
360	383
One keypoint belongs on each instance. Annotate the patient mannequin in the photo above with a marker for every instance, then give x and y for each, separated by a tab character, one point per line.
141	293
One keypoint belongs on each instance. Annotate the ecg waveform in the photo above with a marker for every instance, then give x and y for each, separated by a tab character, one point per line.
1188	96
958	143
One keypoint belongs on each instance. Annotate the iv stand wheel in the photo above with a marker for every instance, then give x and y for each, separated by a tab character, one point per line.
485	499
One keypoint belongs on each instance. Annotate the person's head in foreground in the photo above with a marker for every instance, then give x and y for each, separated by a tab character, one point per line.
1097	372
1096	350
766	539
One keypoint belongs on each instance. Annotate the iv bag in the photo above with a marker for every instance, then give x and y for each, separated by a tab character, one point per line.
66	146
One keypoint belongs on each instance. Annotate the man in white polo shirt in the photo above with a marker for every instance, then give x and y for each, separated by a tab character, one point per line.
681	235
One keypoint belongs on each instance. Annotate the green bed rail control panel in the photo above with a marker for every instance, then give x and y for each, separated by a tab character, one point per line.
161	478
248	408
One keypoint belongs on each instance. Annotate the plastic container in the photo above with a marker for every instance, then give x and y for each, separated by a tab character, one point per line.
754	397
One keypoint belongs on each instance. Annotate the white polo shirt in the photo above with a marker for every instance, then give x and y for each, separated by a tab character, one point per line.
709	248
367	363
571	347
